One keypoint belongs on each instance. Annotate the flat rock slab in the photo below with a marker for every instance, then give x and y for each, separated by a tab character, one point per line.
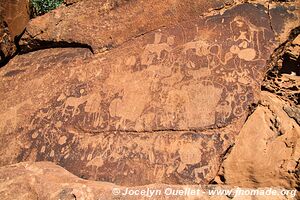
163	107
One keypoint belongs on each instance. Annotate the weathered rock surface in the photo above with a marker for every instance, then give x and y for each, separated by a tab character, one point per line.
285	16
114	21
267	149
72	25
47	181
7	45
14	15
164	107
283	79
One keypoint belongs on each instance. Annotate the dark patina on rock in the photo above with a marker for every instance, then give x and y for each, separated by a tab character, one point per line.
163	107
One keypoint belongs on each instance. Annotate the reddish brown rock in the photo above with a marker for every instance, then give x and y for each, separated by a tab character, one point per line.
163	107
283	79
7	45
267	150
113	23
14	15
72	25
47	181
284	16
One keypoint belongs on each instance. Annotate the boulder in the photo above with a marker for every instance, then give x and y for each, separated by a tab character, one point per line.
150	92
14	16
162	108
7	45
267	151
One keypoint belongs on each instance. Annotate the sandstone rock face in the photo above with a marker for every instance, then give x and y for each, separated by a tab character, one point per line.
47	181
7	45
284	17
151	92
14	15
139	109
72	25
114	21
267	150
283	79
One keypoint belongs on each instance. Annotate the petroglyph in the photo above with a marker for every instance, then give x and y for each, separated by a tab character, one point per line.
73	103
141	113
10	117
156	49
103	32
